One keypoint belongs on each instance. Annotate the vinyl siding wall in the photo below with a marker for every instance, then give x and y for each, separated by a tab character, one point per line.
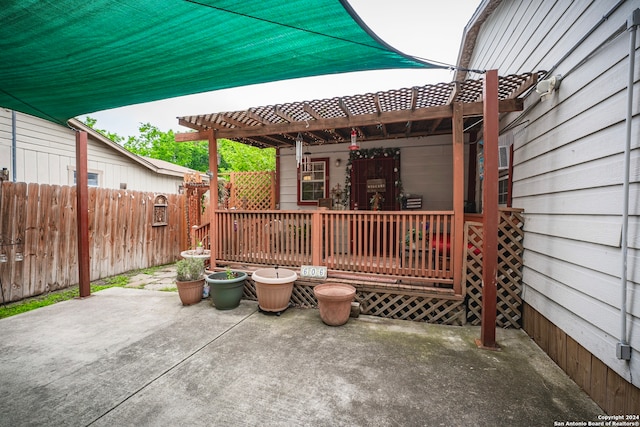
45	154
568	166
426	169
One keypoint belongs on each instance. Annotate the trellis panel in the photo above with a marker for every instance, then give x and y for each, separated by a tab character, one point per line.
509	283
252	190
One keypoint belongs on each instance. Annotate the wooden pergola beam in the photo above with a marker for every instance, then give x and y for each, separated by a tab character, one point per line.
340	122
361	120
311	111
278	111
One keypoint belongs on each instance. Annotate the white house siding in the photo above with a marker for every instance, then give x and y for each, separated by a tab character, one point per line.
45	154
426	169
568	166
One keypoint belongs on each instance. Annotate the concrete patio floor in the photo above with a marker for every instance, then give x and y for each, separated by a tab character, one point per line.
137	357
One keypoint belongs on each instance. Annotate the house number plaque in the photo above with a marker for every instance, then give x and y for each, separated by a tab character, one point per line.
313	272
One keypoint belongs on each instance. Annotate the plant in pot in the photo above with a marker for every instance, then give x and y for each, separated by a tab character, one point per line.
226	287
199	249
412	237
190	280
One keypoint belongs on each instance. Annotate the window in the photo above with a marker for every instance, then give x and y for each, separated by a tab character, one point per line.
313	178
93	179
503	190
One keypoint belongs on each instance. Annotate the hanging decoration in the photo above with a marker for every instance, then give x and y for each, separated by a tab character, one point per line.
354	140
298	150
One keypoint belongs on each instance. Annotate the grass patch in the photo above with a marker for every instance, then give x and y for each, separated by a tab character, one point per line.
169	289
63	295
121	280
150	270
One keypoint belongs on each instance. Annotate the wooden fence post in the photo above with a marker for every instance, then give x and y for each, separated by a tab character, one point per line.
82	197
490	211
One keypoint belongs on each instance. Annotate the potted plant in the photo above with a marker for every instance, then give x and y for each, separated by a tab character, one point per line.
226	287
189	280
412	237
199	248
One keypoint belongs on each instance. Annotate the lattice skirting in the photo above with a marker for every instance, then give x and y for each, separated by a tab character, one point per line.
392	305
509	284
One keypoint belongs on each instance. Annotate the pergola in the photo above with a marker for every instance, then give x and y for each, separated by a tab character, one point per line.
402	113
446	108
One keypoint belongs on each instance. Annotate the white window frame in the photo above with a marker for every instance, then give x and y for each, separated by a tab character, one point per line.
312	173
96	173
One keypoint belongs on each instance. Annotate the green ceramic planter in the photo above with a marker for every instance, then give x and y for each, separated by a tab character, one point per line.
226	293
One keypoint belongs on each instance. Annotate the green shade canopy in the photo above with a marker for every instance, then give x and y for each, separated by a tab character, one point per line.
63	58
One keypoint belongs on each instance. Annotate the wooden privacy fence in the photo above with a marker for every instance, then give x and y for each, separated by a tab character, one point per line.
122	235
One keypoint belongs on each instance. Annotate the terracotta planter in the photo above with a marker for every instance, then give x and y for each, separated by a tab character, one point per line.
334	302
226	293
190	292
274	287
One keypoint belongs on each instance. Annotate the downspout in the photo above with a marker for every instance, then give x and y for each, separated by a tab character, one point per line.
14	144
623	349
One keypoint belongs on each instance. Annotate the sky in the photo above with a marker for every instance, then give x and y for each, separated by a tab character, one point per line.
428	29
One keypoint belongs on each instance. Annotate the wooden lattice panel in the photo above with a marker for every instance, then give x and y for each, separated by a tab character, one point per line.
249	291
473	268
303	296
509	284
252	190
383	304
411	307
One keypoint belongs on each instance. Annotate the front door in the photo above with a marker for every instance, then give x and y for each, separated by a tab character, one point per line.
374	184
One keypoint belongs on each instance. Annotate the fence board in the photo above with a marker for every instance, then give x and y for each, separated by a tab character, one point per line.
43	218
32	238
66	243
52	238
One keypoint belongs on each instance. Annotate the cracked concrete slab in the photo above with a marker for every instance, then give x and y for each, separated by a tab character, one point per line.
134	357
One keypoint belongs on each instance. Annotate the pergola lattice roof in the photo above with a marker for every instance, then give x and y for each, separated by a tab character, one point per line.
399	113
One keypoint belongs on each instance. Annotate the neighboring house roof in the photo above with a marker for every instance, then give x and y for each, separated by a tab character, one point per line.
158	166
168	167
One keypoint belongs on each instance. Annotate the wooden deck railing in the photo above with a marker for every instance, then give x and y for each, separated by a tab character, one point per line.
392	243
264	237
402	244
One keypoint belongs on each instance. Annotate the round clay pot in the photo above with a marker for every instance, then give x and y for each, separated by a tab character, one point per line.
274	287
190	292
226	293
334	302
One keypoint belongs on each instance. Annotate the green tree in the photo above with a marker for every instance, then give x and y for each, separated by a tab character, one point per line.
152	142
238	157
91	122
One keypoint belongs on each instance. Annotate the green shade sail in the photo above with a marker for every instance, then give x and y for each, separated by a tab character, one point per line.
63	58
